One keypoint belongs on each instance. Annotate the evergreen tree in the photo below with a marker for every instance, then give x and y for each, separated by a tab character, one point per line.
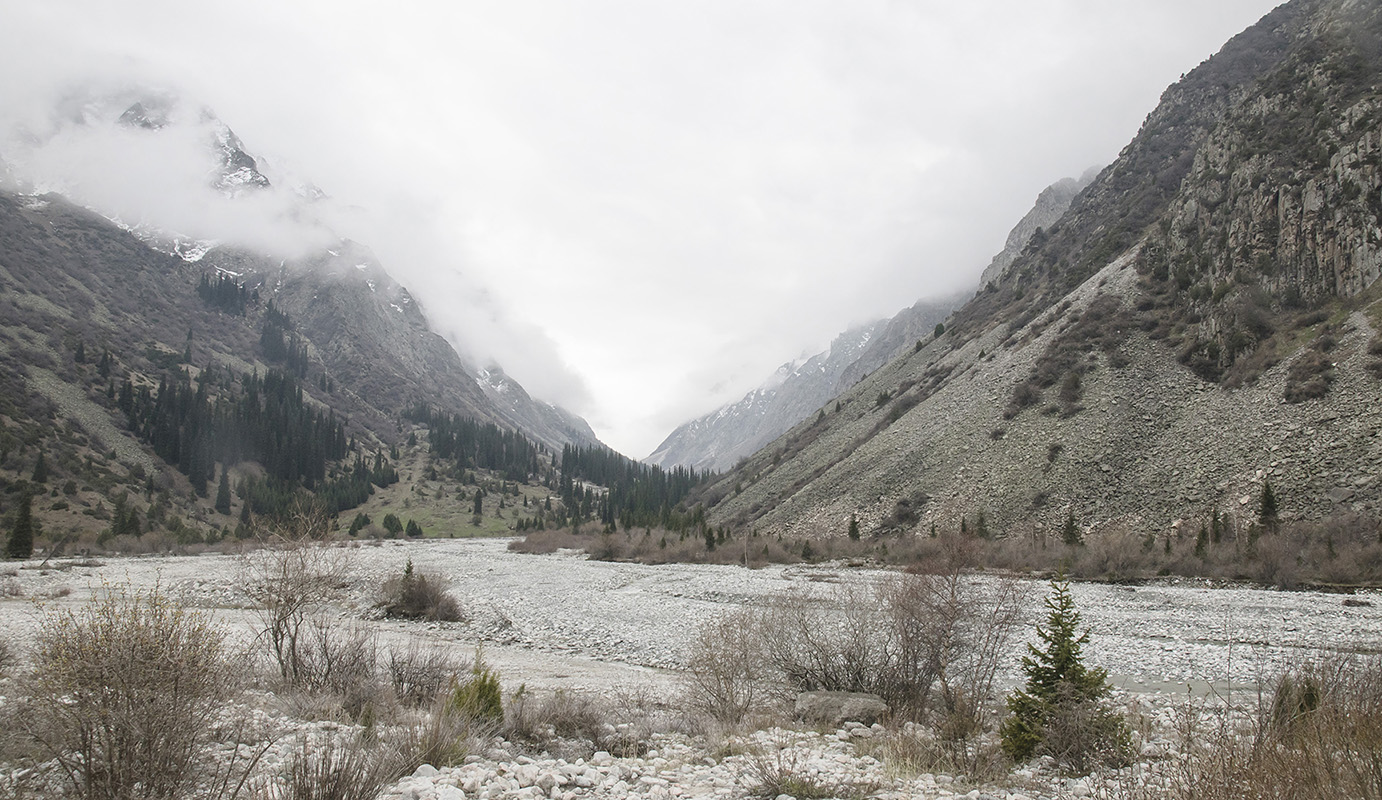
1070	533
80	355
479	501
1267	509
853	527
40	469
21	543
392	524
413	529
1061	689
223	493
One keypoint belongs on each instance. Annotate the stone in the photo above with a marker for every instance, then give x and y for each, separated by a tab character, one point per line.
836	708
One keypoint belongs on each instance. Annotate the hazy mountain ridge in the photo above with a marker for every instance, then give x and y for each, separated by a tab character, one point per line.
716	441
1132	367
1050	206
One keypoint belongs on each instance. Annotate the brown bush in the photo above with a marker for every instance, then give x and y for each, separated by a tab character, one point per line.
929	645
1317	735
1310	377
103	697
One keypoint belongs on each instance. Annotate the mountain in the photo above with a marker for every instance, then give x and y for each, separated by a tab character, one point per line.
367	330
146	368
719	439
1202	322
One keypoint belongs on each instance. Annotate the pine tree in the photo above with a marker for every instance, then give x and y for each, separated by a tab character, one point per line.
40	469
21	543
223	493
479	501
1061	688
853	527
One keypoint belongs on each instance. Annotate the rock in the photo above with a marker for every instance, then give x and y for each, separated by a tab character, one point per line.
835	708
425	771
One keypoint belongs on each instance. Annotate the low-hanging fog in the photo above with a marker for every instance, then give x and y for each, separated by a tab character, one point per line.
639	209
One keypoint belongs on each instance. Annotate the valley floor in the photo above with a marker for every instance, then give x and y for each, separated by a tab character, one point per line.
562	622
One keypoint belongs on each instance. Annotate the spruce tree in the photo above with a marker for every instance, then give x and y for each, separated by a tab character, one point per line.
21	543
223	493
1062	692
40	469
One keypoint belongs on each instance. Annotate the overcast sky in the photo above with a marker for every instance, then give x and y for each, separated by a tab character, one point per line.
641	208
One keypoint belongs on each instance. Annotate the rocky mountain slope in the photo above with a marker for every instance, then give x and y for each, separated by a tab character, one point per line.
1202	321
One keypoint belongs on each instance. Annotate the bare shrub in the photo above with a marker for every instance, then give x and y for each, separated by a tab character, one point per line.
292	580
419	595
340	660
836	645
419	673
1309	377
929	645
727	674
952	632
1316	735
575	724
123	693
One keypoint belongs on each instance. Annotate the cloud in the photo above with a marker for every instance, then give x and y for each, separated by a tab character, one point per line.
642	208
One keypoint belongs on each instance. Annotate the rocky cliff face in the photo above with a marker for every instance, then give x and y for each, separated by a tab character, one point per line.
1203	318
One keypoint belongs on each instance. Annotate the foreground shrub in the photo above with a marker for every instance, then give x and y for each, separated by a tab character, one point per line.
1315	734
293	579
727	674
479	697
123	694
928	645
1059	712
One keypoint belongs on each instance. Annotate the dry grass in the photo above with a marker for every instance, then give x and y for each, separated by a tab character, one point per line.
782	766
